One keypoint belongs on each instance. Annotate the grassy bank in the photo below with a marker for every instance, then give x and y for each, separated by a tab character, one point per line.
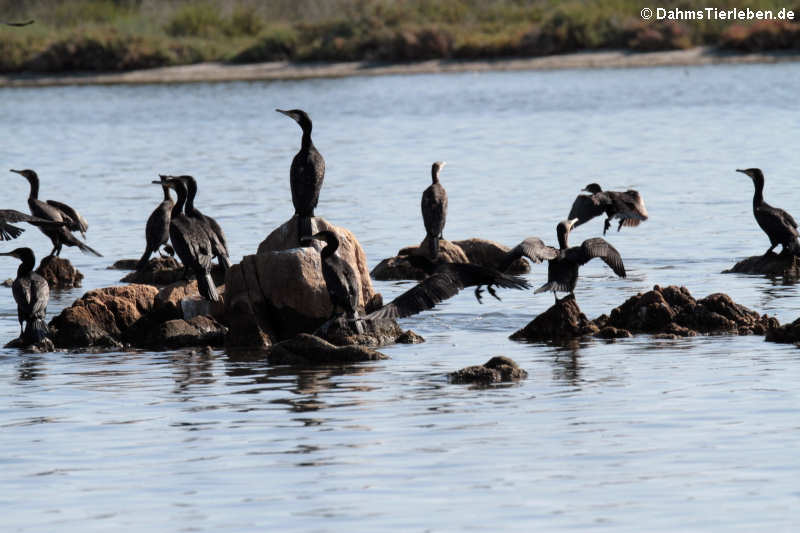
114	35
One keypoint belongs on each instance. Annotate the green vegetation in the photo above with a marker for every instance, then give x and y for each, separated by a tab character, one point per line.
108	35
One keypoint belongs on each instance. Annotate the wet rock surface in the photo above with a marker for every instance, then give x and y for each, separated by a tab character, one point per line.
496	370
44	346
305	349
374	333
563	321
478	251
785	334
59	273
161	271
177	333
771	264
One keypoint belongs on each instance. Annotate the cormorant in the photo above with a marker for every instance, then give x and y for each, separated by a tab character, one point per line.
191	243
779	225
444	281
563	264
627	206
219	246
31	293
9	231
434	210
305	175
26	23
56	212
340	279
157	229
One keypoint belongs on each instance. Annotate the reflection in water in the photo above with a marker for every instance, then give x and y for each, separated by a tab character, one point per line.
567	363
29	367
194	367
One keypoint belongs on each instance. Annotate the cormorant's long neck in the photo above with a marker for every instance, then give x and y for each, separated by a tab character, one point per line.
192	191
34	181
178	207
306	143
167	197
758	197
563	237
26	267
435	175
330	248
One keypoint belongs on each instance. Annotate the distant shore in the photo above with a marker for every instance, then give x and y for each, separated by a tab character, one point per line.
281	70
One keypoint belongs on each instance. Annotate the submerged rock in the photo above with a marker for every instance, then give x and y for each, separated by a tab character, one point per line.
563	321
495	370
305	349
59	273
770	264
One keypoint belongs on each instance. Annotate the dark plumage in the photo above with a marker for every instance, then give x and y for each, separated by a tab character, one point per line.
444	281
191	243
563	264
434	210
779	225
305	175
627	206
340	279
26	23
31	293
56	212
156	231
219	246
9	231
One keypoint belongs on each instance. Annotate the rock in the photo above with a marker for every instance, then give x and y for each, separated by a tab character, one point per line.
787	333
182	300
179	333
99	317
380	332
162	271
610	332
280	292
44	346
59	273
124	264
409	337
305	349
491	254
562	322
495	370
770	264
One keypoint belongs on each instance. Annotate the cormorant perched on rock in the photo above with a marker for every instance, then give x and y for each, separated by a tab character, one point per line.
9	231
305	175
339	276
219	246
779	225
157	229
31	293
434	210
56	212
191	243
627	206
563	264
445	280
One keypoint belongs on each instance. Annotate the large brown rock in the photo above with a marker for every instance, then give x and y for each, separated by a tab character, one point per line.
786	333
563	321
59	273
99	317
367	332
161	271
770	264
179	333
305	349
496	370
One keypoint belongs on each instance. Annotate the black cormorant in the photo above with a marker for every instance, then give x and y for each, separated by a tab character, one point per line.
56	212
779	225
31	293
157	229
219	246
627	206
305	175
563	264
434	210
26	23
9	231
444	281
340	279
191	243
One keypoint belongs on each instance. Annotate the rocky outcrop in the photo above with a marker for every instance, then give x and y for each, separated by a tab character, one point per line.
161	271
478	251
43	346
305	349
770	264
786	333
378	332
59	273
496	370
563	321
178	333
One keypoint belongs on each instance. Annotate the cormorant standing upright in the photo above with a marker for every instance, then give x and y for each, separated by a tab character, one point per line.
31	293
434	210
340	279
563	264
627	206
219	246
305	175
56	212
157	229
779	225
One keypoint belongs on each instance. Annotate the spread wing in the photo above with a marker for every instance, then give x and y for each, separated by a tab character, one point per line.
629	207
586	207
425	295
598	247
75	222
533	248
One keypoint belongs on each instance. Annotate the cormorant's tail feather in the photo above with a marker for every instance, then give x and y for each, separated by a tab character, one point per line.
303	229
85	248
144	260
206	287
8	231
35	331
433	247
511	282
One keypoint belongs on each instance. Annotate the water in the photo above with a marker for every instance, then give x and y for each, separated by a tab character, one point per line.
692	434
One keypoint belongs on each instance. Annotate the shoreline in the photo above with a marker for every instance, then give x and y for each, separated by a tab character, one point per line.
284	70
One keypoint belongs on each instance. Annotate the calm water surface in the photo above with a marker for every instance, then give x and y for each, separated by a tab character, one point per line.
686	435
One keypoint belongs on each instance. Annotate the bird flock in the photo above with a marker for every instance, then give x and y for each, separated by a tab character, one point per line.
178	228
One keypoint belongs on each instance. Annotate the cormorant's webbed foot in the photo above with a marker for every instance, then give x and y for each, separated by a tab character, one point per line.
478	292
491	291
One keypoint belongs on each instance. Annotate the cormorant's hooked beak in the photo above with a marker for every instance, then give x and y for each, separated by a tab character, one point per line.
288	114
9	254
16	171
